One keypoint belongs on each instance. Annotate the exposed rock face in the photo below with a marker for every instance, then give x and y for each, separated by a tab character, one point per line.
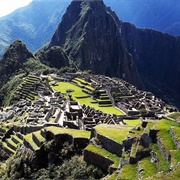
94	38
54	57
89	32
157	57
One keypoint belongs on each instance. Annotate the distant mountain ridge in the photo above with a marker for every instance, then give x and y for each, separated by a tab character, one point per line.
33	24
36	23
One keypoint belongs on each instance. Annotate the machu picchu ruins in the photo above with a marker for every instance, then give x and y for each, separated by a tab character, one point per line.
118	126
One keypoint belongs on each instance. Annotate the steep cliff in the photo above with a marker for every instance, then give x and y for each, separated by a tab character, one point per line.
157	57
89	33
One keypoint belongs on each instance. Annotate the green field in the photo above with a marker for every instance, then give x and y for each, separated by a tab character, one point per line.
75	133
115	132
63	86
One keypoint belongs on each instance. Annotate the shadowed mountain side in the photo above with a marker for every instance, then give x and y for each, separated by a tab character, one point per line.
157	57
15	55
54	57
90	35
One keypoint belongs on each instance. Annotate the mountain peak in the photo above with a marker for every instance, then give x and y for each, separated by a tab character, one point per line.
17	51
90	34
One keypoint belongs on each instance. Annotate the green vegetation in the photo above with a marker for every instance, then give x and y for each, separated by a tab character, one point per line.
149	168
133	122
175	115
104	153
129	171
29	139
162	164
116	132
8	92
66	69
177	132
164	133
75	133
175	157
63	86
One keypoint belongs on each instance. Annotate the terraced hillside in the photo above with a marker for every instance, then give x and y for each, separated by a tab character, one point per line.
29	87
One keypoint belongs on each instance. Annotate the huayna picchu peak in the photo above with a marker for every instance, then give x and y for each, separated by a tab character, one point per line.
87	105
89	33
94	38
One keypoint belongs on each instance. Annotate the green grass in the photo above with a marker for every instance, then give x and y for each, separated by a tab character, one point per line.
7	147
177	132
104	153
63	86
175	157
28	137
113	176
163	164
75	133
116	132
133	122
39	136
174	115
129	172
149	167
164	133
18	139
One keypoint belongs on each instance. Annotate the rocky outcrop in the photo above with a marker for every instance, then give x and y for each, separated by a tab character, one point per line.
89	32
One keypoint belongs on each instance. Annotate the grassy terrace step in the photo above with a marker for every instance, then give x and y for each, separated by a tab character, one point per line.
116	132
175	157
11	144
164	133
162	164
82	81
75	133
104	153
29	139
129	171
149	168
174	115
39	136
16	139
9	150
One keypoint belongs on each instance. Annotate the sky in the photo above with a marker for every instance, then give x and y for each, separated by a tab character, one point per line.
8	6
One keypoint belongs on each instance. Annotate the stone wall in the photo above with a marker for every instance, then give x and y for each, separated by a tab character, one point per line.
165	153
98	160
177	143
81	142
27	129
110	145
36	140
8	133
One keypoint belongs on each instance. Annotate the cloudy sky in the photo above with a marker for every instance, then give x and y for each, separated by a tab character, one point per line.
8	6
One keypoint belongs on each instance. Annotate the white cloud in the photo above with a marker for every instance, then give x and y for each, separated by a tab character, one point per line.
8	6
